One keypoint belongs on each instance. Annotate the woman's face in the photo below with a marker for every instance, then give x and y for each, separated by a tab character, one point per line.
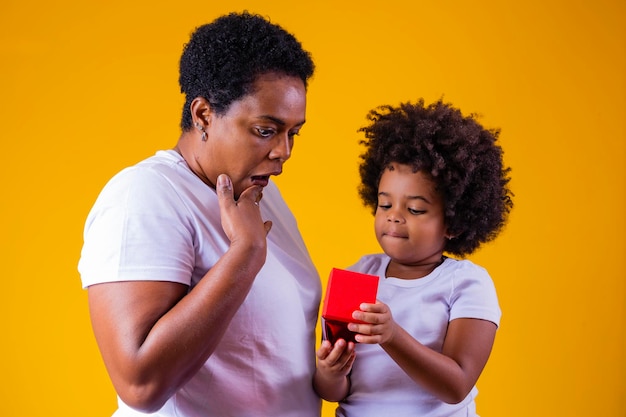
254	138
409	220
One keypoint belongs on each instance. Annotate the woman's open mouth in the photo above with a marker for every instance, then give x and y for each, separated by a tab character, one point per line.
261	180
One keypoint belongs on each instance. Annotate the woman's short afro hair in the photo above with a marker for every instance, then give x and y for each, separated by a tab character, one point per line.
223	58
461	157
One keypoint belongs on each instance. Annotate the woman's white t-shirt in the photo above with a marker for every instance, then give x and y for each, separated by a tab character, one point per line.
158	221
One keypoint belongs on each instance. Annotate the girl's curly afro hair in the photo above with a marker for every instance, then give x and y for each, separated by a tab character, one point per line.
222	60
461	157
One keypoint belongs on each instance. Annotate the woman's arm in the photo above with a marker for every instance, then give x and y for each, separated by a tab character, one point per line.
153	336
449	375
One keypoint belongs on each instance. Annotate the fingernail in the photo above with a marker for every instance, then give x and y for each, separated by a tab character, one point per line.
224	181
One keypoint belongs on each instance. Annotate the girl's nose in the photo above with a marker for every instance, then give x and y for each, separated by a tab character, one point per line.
394	216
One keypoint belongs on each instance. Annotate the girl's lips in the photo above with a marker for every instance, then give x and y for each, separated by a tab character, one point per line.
395	234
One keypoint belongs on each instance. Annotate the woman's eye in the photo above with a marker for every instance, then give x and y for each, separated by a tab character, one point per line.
294	134
265	133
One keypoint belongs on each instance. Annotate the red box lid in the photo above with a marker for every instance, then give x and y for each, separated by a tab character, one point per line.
345	292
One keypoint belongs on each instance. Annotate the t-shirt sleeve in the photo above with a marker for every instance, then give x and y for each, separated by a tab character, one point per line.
138	230
474	295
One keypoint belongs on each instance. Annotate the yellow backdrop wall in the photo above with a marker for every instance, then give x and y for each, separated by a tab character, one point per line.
91	87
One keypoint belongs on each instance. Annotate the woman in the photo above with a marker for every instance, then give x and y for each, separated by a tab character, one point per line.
202	295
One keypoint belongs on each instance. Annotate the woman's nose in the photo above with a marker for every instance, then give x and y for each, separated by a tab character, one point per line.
282	149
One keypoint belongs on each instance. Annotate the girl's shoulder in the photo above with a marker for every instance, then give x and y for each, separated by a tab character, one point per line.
461	272
462	266
374	264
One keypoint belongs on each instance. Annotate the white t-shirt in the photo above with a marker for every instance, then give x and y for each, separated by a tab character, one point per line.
158	221
423	307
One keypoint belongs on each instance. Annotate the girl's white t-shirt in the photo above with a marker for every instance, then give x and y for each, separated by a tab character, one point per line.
423	307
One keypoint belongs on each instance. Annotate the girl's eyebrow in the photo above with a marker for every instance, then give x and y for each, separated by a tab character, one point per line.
419	197
408	197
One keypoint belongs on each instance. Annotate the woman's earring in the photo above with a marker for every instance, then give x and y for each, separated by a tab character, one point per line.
201	129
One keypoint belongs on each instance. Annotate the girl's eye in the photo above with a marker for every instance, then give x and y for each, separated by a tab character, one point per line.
415	211
384	206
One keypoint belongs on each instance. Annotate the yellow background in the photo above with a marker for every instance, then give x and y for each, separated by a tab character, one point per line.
88	88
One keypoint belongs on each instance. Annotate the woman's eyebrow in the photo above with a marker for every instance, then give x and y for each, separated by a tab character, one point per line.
278	121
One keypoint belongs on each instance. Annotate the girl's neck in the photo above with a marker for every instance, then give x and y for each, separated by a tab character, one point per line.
406	271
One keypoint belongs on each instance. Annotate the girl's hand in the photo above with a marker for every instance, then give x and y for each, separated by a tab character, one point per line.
335	361
331	380
379	325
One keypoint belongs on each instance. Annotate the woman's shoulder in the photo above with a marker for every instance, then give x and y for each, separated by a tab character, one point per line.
156	181
152	168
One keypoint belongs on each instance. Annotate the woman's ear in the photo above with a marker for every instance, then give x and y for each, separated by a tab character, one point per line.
200	113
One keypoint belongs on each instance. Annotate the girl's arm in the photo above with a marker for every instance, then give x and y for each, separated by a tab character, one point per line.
449	375
331	380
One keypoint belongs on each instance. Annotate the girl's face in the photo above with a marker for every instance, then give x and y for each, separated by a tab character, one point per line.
409	222
254	138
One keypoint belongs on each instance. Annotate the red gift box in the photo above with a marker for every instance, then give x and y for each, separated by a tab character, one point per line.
345	292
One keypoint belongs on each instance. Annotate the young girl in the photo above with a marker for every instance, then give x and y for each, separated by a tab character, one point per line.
436	184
